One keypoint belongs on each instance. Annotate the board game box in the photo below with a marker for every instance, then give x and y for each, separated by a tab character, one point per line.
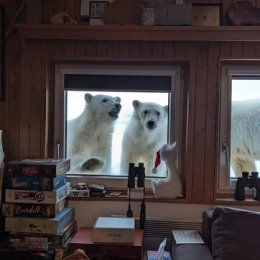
40	225
50	168
34	196
35	183
32	210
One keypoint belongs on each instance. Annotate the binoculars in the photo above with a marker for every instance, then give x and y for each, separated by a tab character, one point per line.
247	181
139	172
136	171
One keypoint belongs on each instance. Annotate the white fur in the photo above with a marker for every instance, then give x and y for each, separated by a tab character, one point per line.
171	187
89	136
141	142
245	135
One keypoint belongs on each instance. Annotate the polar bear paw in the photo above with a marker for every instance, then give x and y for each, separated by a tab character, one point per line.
92	164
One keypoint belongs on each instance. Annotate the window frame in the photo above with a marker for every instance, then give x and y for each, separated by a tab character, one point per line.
229	70
176	70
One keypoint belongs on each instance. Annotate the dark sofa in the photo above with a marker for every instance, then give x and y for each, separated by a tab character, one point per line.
229	234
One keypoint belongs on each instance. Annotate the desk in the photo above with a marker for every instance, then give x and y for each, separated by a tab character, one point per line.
83	239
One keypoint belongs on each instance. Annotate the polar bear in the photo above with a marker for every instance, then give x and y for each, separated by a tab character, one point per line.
89	136
144	135
245	135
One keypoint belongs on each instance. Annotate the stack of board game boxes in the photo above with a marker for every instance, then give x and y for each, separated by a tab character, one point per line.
36	217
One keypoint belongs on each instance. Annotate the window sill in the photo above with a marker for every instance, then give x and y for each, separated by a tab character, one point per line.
149	197
231	201
139	33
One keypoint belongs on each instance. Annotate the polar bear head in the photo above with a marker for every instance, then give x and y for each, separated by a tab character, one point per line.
102	106
151	115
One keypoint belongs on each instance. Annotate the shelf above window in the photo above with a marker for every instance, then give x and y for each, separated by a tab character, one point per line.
139	33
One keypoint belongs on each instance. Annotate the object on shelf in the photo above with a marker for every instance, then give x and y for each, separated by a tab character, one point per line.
32	210
96	11
114	230
35	196
74	193
206	14
41	225
62	18
170	187
50	168
97	190
173	14
78	254
123	12
247	181
243	13
147	16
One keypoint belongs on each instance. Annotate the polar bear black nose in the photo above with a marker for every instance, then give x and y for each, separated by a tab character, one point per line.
151	124
117	105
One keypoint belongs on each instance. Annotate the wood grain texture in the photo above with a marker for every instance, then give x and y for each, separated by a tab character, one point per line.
211	123
28	111
34	11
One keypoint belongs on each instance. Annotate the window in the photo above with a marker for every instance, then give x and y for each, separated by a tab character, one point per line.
155	83
76	105
239	124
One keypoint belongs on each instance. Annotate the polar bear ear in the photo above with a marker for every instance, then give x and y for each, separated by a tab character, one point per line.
136	104
118	99
88	97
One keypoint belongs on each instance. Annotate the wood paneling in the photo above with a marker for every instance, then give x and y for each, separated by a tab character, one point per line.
29	104
211	121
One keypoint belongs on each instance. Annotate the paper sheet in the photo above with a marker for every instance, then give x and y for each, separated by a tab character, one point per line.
161	250
187	237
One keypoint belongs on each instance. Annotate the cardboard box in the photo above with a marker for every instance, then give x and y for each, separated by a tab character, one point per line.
114	230
40	225
173	14
50	168
34	196
32	210
180	14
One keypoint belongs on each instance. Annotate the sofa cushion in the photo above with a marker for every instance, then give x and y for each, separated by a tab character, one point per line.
206	226
190	251
235	234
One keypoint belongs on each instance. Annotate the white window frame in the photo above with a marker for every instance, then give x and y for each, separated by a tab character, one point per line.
225	185
173	70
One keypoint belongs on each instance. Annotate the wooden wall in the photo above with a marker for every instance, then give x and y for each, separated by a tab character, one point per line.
24	112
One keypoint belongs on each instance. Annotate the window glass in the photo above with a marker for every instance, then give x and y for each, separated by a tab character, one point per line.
239	130
245	125
76	104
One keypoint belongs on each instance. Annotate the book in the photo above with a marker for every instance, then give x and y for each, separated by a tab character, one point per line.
32	210
50	168
34	196
40	225
58	241
187	237
35	183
